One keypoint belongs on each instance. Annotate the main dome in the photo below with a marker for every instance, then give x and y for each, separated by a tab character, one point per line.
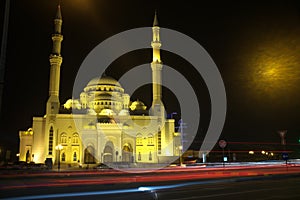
104	93
104	80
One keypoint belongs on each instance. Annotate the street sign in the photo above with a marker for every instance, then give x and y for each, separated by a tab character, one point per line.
285	156
222	144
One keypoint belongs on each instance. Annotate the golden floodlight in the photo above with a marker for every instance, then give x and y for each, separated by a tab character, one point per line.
272	67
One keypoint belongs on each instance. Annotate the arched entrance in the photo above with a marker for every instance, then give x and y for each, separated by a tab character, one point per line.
108	153
89	155
28	156
127	153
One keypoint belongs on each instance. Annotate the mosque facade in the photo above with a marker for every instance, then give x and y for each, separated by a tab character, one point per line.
103	125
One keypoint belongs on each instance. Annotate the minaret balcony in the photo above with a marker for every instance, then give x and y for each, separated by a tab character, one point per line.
156	44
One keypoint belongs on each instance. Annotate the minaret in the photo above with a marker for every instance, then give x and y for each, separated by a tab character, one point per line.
55	63
156	66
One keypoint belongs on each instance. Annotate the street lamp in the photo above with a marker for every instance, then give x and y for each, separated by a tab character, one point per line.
58	148
180	154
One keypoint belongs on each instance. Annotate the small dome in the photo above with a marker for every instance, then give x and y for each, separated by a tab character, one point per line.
124	112
137	105
104	80
72	103
91	112
107	112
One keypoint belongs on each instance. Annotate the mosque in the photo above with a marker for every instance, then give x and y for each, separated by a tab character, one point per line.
103	125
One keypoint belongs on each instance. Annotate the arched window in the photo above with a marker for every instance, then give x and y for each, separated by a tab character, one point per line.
159	142
89	155
150	139
63	138
50	144
139	139
74	156
75	138
27	156
63	157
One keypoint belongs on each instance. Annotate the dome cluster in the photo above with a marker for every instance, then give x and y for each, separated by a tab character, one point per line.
105	96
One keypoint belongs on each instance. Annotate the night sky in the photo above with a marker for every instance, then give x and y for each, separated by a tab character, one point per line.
255	45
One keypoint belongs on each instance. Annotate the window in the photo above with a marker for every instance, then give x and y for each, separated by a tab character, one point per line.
63	138
139	156
63	157
50	144
75	138
150	156
139	139
150	139
75	156
159	142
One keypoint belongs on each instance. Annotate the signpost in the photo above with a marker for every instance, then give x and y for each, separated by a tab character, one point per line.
222	144
285	155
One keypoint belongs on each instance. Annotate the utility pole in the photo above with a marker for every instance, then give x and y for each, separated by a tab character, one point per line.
3	51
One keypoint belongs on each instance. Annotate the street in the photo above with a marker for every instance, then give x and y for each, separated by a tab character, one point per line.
271	182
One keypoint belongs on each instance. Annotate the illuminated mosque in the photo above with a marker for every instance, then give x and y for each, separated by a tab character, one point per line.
107	126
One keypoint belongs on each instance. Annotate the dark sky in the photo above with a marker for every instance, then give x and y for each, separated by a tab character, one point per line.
255	44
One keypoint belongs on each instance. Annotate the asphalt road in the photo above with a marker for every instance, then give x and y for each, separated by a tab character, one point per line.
264	189
266	184
258	188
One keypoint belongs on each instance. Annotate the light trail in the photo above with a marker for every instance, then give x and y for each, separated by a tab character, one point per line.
151	189
173	175
76	194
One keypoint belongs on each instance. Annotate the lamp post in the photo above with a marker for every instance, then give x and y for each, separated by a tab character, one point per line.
58	148
180	155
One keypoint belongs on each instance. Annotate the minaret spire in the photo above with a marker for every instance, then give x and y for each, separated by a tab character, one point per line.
58	12
156	66
155	22
55	59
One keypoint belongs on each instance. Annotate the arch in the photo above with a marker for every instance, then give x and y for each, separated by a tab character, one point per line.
159	141
89	155
63	157
139	139
75	138
150	139
63	138
28	156
127	153
74	158
108	152
50	143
